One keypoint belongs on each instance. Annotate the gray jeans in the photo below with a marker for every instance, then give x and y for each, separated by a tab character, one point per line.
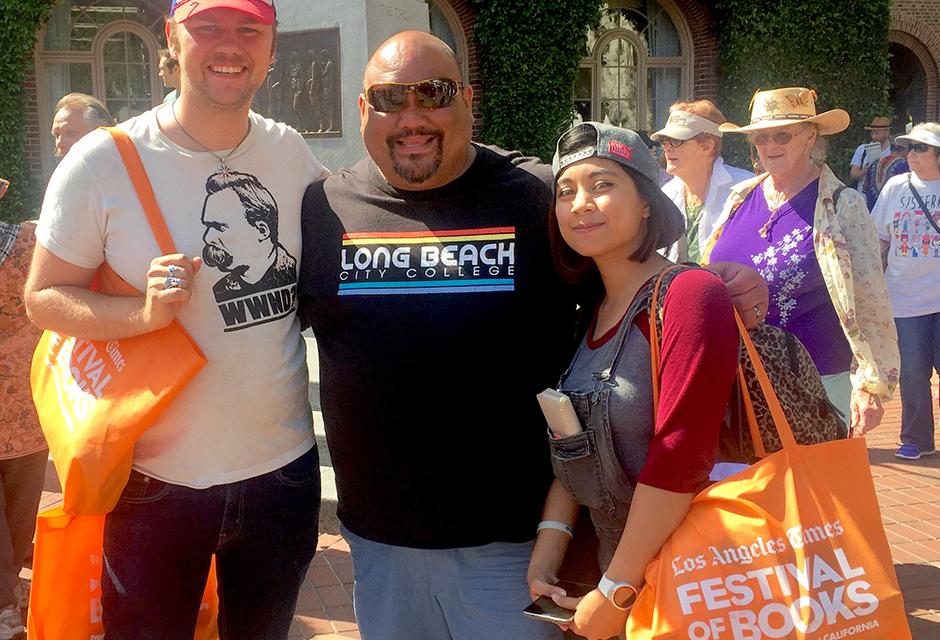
467	593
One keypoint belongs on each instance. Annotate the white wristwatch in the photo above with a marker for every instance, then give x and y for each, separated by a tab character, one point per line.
621	594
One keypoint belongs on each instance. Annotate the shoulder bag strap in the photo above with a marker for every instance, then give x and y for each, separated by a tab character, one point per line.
138	175
656	361
836	194
920	203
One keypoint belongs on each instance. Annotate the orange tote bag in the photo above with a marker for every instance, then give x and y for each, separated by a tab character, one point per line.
65	596
791	547
96	397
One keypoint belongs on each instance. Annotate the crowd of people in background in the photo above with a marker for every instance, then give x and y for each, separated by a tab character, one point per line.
252	211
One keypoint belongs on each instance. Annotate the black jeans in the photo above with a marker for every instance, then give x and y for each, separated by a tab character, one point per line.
159	540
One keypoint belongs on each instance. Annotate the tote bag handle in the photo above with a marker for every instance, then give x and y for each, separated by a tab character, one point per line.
781	423
138	176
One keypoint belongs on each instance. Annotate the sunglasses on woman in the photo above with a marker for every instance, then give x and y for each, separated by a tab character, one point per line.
780	137
434	93
918	147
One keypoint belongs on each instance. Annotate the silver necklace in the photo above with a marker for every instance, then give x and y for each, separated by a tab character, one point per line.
223	167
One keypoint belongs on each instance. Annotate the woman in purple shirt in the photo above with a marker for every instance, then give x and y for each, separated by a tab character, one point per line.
814	243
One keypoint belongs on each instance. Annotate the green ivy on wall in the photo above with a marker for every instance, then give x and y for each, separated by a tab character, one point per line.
529	52
840	49
19	22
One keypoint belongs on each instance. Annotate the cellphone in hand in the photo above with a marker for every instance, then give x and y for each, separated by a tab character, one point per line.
544	608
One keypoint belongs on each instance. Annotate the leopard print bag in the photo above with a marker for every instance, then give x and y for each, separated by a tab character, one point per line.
796	381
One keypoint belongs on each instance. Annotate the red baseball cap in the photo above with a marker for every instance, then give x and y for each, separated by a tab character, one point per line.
263	10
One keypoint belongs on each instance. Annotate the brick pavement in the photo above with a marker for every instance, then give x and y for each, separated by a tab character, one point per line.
908	492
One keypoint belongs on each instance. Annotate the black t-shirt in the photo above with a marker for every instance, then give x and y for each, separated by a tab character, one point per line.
438	316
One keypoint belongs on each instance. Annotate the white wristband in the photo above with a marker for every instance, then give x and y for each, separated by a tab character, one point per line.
556	525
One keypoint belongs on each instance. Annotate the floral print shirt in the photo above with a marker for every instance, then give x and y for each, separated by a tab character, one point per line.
19	426
849	256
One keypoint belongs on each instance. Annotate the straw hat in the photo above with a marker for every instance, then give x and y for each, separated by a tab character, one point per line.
780	107
879	122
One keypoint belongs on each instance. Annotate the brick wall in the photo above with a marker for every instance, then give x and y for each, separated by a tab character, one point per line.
467	17
915	24
34	129
704	48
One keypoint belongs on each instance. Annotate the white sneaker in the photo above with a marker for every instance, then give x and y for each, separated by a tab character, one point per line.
11	623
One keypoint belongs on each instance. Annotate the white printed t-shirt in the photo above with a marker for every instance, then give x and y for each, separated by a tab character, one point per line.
246	413
913	272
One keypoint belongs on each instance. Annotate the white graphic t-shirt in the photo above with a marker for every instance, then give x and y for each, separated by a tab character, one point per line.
913	272
246	413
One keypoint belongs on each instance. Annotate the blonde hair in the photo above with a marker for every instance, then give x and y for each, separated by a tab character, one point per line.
708	110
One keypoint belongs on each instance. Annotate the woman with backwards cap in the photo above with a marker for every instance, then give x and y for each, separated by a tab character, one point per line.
814	242
701	180
611	217
912	242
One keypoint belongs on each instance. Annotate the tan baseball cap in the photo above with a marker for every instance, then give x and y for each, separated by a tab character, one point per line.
683	125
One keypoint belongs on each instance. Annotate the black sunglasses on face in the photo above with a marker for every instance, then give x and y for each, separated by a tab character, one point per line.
918	147
435	93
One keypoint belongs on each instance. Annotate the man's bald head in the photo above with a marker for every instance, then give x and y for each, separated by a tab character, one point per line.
417	145
406	48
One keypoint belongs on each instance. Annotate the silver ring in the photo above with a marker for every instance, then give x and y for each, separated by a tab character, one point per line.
171	282
757	310
172	269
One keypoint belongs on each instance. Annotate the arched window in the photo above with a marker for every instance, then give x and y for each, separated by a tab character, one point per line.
637	63
445	25
106	48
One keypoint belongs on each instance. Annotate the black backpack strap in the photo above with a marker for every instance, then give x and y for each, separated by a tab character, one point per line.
836	194
920	203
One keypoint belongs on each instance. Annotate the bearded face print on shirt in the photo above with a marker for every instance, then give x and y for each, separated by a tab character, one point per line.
258	281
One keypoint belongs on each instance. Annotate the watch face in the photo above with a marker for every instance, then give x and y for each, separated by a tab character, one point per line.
623	596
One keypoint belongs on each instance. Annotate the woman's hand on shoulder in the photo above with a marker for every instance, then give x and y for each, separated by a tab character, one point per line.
747	289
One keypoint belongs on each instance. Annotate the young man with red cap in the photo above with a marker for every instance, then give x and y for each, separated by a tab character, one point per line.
230	468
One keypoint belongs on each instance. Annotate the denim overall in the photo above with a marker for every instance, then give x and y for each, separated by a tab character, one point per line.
587	463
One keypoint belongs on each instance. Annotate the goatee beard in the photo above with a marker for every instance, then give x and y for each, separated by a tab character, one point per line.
415	172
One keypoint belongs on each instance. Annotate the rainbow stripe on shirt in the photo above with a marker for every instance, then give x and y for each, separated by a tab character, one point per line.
478	260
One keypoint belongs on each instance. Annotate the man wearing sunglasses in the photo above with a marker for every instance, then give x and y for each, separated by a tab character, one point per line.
230	467
427	278
438	315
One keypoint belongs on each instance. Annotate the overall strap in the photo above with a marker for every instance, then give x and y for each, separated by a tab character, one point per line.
920	203
639	304
138	176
